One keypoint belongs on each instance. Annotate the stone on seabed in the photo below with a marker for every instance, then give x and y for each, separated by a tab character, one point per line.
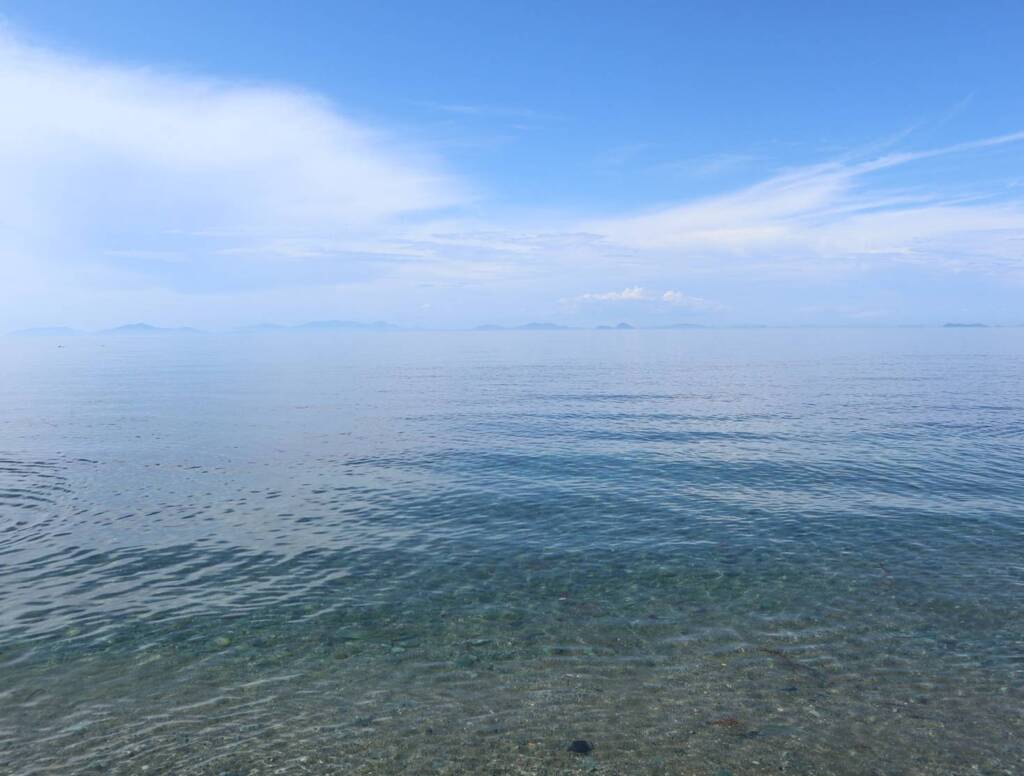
579	746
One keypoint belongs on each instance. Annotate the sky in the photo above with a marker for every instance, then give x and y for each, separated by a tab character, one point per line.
449	164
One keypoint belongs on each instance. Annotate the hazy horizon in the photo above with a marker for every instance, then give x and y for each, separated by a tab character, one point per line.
141	327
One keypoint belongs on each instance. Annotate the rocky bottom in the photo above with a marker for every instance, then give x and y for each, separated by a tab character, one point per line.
249	699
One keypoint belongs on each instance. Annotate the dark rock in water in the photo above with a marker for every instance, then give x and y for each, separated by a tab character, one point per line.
579	746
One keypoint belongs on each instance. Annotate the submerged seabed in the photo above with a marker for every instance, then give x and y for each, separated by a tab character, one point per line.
703	552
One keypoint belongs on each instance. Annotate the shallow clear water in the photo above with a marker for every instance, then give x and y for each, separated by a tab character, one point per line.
705	552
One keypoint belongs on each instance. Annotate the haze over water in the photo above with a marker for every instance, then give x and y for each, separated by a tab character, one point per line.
705	552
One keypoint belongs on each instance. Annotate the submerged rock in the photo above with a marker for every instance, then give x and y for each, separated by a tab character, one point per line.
579	746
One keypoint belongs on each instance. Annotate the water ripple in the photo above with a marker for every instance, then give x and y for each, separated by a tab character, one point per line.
461	553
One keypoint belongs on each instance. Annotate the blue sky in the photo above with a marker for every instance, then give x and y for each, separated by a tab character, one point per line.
448	164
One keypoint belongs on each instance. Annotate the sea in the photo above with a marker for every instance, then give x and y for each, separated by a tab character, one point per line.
707	552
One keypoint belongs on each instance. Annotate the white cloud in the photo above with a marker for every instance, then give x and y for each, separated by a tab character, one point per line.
639	294
634	294
107	166
689	302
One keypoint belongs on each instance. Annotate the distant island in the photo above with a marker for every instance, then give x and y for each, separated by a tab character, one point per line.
965	326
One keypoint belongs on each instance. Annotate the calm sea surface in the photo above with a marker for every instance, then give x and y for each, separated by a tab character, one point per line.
703	552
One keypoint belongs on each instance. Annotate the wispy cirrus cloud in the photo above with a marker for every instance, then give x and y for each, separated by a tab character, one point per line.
832	212
837	216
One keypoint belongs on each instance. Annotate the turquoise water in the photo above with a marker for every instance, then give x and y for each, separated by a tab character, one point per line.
703	552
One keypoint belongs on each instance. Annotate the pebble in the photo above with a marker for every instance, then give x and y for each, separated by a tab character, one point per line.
579	746
222	641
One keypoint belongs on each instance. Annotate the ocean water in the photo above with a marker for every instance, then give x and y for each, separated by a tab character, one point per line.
703	552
